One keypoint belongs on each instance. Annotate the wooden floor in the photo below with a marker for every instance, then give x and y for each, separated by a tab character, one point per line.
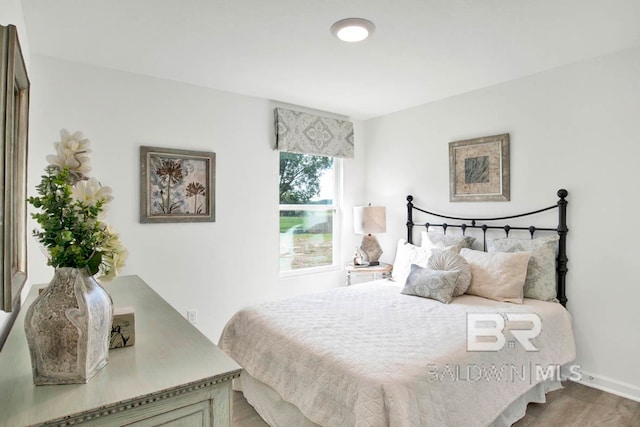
575	405
579	405
243	414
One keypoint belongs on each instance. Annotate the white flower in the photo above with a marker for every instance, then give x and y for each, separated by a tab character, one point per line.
113	257
112	264
89	192
72	151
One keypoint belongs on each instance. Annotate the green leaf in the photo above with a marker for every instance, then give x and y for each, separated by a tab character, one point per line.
94	263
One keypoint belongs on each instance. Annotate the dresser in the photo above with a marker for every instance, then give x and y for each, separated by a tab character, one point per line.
172	376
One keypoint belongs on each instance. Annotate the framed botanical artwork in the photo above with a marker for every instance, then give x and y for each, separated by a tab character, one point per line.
14	113
479	169
177	185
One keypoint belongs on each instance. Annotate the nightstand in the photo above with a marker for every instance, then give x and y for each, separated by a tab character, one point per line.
384	270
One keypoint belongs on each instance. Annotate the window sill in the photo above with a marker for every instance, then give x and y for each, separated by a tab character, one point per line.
309	271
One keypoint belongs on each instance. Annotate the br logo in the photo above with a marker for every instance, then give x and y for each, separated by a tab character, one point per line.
485	331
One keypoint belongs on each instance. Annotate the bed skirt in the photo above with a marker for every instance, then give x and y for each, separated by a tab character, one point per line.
278	413
270	406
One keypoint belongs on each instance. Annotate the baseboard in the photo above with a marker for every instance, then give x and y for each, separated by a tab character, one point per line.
619	388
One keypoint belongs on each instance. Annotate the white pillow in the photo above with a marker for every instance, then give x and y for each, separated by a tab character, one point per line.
408	254
541	272
433	239
498	275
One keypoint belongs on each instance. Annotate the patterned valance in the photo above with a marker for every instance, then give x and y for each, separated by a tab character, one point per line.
305	133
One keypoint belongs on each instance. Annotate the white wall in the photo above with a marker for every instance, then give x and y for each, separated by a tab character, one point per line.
575	127
215	268
11	14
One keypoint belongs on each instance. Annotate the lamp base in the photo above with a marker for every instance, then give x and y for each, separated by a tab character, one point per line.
372	248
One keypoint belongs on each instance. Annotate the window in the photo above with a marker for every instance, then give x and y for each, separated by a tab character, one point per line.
308	212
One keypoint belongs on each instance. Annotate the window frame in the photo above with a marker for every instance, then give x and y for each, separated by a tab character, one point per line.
335	207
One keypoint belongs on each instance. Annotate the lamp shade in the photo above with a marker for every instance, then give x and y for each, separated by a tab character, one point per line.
369	219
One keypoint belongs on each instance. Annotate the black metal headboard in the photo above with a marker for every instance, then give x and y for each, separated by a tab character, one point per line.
481	223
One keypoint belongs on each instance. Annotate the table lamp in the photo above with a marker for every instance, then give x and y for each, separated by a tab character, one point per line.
368	220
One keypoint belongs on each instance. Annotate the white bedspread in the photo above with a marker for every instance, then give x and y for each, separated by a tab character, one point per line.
367	355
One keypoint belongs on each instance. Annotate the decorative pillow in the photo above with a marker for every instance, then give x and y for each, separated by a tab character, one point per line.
541	273
434	284
408	254
498	275
440	240
447	260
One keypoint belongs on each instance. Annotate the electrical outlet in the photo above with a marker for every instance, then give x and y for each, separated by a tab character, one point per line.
192	316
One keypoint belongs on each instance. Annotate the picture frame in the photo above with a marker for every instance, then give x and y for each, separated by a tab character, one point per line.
176	185
14	109
479	169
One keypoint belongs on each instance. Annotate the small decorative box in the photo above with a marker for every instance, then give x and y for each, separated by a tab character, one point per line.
123	331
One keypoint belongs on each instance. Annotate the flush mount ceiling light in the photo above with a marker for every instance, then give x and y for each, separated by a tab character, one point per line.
352	29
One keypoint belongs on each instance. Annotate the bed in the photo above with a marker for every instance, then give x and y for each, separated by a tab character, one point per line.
370	355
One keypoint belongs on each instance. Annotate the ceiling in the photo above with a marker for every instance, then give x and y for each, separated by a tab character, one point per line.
421	51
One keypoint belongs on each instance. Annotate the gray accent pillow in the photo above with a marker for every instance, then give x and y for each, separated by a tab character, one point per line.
540	282
434	284
450	261
439	239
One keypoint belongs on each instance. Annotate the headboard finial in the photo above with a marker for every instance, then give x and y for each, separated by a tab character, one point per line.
410	218
562	193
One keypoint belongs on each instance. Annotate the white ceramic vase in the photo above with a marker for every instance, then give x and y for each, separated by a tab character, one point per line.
68	328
